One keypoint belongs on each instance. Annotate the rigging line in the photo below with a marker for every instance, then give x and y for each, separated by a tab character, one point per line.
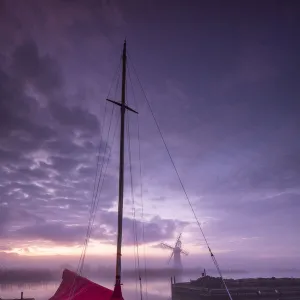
98	160
133	215
97	196
98	154
88	233
105	172
95	201
128	128
95	204
181	183
141	185
95	193
136	250
97	188
133	206
116	75
92	207
81	260
95	180
131	184
91	220
106	166
134	255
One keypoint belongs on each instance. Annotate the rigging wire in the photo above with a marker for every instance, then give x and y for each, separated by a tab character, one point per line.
81	262
96	187
134	223
101	177
94	204
102	129
136	243
181	183
127	141
99	170
141	188
93	214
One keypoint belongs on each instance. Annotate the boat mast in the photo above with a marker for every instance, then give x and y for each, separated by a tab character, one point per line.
121	170
124	107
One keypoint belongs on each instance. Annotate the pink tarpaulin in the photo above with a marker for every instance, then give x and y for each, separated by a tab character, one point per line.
76	287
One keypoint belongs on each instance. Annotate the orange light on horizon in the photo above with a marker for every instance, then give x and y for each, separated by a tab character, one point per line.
93	250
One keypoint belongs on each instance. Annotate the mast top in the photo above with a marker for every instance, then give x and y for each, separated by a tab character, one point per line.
124	47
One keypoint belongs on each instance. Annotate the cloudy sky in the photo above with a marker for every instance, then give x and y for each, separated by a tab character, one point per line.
223	82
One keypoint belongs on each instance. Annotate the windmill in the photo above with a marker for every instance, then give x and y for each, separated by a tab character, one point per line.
176	252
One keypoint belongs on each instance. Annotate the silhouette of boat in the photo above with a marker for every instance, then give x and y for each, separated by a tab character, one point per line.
208	287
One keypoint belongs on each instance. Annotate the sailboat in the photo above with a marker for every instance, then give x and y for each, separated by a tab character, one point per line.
74	286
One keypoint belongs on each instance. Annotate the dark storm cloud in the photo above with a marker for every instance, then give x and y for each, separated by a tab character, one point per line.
40	147
17	109
42	70
74	117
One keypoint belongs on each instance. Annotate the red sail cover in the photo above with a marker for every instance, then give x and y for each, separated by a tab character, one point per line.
76	287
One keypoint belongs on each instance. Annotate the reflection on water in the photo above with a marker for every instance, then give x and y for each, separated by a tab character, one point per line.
33	290
157	290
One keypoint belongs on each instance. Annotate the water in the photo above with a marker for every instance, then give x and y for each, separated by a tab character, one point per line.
158	289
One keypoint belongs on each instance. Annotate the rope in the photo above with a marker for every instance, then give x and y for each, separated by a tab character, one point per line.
101	177
181	183
135	232
79	267
141	190
94	203
96	194
93	213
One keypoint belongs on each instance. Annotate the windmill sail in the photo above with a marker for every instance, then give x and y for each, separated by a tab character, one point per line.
176	253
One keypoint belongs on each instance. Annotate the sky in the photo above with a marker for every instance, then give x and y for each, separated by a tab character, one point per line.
223	83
